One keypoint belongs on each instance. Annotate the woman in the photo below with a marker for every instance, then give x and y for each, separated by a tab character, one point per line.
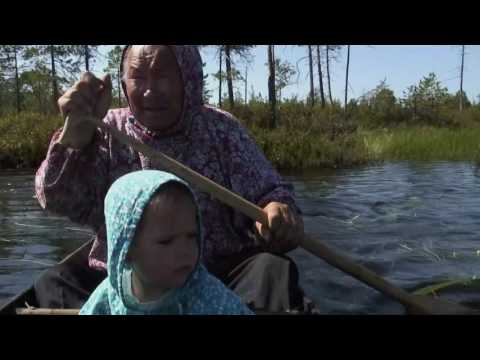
163	86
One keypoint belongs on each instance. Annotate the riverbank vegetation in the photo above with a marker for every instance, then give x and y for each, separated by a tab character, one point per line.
425	123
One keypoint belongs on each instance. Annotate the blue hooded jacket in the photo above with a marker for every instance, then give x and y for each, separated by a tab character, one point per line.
202	294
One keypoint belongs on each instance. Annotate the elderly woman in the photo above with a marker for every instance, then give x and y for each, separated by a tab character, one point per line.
163	86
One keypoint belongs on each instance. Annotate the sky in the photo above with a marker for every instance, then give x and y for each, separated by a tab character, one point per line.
400	65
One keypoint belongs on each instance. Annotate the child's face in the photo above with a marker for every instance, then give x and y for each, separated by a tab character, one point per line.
165	249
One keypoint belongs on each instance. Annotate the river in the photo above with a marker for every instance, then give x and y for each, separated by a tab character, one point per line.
414	223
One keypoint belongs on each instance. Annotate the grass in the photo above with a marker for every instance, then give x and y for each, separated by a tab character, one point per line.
24	139
297	149
423	143
305	138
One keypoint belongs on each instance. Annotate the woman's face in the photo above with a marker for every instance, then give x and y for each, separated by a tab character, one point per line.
154	86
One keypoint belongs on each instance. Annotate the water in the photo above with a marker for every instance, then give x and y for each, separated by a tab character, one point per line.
413	223
31	240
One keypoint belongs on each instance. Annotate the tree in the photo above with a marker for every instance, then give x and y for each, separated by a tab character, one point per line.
220	51
379	105
88	53
114	57
228	62
9	66
328	75
309	56
231	51
17	78
35	82
5	79
461	79
284	71
271	87
235	73
346	80
453	101
51	50
310	65
426	97
384	99
383	103
222	78
320	77
87	57
246	84
206	94
63	62
332	52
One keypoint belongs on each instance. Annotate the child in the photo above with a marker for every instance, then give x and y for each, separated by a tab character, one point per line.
154	248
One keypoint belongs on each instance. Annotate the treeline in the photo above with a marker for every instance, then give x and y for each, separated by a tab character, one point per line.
426	103
32	77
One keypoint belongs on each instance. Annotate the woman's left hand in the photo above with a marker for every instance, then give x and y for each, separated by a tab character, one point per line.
285	229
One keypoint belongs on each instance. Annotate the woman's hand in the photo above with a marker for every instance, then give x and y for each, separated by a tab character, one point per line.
284	231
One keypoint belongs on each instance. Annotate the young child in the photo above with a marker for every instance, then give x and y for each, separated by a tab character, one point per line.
154	248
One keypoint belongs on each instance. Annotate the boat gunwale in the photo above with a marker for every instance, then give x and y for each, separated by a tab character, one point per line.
21	300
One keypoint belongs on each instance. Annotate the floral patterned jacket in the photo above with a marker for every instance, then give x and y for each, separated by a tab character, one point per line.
212	142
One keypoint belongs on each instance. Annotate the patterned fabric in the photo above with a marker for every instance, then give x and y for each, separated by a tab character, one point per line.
201	294
208	140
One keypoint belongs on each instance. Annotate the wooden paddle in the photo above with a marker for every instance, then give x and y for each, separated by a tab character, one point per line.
414	304
70	312
35	311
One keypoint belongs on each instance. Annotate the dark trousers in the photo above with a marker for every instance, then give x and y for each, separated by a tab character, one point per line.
264	281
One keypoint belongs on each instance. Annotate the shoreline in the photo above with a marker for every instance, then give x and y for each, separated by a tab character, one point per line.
24	140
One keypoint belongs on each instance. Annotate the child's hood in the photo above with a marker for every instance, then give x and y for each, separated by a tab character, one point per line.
124	205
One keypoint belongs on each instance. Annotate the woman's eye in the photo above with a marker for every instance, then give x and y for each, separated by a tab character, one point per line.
164	242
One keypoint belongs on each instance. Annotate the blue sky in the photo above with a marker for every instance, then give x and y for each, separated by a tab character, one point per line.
401	65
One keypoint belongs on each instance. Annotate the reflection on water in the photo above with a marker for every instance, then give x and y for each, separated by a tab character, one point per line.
413	223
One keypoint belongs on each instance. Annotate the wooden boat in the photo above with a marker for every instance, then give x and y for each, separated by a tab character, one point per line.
25	303
28	298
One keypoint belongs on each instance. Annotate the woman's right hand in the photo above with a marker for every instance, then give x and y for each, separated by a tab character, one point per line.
90	96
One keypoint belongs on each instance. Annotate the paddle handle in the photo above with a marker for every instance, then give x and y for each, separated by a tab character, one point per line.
256	213
203	183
